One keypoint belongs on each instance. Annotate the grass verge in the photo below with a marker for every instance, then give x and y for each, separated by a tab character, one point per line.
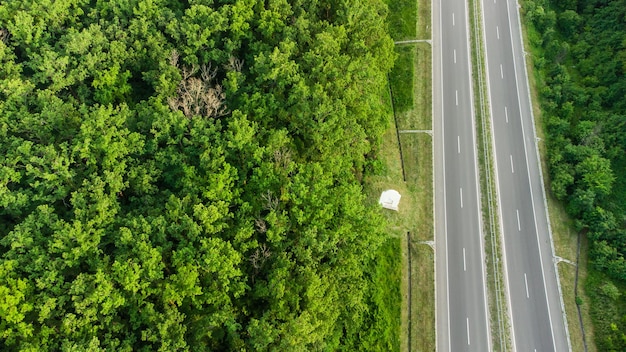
423	19
418	167
402	78
410	84
419	115
423	300
416	209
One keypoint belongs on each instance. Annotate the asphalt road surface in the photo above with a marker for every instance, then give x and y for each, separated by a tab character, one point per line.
535	305
462	315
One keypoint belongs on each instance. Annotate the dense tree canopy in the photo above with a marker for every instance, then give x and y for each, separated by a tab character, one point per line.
186	175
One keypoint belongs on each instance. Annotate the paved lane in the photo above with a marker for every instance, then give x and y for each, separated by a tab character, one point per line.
537	322
462	317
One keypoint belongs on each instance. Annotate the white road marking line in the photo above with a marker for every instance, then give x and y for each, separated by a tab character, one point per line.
458	144
526	282
464	266
498	32
468	337
461	192
501	72
455	56
453	18
506	114
519	225
512	169
456	97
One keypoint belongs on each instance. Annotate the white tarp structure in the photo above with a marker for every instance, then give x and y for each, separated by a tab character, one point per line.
390	199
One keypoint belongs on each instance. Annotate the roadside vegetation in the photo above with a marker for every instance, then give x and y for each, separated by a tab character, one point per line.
190	176
409	155
578	56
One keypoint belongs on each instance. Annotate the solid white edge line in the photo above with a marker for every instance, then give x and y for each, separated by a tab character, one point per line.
507	281
543	276
475	157
468	335
432	156
443	146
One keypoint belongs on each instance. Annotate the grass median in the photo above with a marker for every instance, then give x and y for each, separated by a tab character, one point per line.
414	79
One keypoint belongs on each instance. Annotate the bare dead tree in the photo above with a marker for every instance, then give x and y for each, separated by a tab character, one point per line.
174	58
4	35
234	64
260	256
197	96
282	157
260	225
271	201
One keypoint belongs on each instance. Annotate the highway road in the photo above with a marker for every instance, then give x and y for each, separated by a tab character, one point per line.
462	314
535	304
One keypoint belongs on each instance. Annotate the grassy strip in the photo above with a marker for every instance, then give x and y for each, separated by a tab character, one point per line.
423	298
419	116
389	176
564	235
402	79
423	19
410	82
390	269
418	167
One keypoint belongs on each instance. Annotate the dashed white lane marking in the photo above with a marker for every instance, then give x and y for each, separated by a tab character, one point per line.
526	282
512	169
468	336
498	32
464	266
506	114
453	18
501	72
461	193
458	144
455	56
456	97
519	225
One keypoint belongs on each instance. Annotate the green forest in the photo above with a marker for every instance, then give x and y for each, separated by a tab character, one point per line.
188	175
580	55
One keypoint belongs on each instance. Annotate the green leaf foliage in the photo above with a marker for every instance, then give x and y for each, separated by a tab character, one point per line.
187	175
